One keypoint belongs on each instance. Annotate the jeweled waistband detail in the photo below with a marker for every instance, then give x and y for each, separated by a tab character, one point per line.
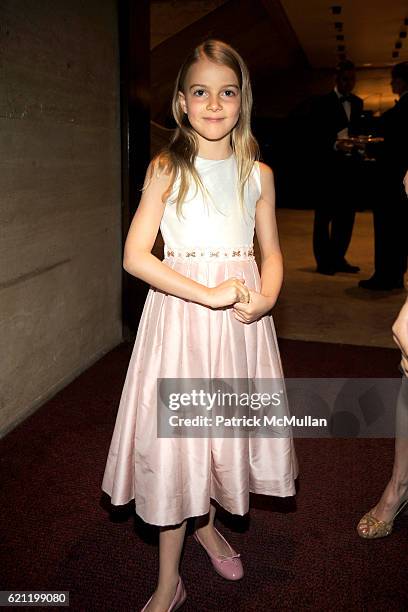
210	253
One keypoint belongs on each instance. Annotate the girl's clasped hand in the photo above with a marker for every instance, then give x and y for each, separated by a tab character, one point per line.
258	306
248	305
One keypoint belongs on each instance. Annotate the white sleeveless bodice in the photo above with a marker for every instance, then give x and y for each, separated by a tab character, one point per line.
218	221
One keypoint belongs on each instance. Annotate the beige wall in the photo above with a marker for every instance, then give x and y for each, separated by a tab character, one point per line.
60	208
374	86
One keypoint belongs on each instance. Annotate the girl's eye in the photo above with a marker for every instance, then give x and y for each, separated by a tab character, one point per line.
228	93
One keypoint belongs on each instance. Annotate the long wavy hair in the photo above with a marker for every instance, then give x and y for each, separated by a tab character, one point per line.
177	158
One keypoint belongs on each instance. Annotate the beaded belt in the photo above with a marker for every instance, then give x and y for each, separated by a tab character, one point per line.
209	253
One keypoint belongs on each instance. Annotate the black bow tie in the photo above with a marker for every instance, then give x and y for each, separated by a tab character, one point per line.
346	98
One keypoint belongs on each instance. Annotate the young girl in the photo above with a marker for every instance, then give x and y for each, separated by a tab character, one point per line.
206	316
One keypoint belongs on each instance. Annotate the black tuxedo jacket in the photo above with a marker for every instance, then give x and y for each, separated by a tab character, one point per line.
329	118
393	126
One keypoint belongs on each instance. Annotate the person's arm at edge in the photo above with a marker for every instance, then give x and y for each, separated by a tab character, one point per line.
400	334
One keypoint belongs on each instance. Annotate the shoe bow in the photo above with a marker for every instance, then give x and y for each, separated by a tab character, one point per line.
229	558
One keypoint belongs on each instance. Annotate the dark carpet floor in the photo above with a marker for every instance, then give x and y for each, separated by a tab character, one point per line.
303	553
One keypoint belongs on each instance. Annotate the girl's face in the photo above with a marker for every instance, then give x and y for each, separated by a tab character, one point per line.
212	99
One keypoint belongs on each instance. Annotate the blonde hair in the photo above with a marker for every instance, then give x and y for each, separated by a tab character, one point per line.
177	158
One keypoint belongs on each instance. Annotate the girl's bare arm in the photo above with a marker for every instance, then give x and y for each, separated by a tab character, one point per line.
139	261
268	239
271	256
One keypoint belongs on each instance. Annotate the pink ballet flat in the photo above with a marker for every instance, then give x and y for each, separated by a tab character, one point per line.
228	567
179	598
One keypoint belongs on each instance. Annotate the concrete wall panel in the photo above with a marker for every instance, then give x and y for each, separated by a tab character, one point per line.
60	208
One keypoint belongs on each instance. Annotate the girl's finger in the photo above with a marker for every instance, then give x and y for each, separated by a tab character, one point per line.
237	316
242	294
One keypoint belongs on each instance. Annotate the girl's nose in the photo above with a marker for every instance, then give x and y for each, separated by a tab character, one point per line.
213	103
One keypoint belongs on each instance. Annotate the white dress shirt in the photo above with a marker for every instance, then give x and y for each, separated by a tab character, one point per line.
344	133
346	104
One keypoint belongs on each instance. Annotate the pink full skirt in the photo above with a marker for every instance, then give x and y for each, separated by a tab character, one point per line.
172	479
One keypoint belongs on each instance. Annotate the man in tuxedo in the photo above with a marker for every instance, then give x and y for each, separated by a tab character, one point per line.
391	209
336	116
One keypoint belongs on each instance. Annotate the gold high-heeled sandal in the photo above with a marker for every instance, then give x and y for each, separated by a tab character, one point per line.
370	528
